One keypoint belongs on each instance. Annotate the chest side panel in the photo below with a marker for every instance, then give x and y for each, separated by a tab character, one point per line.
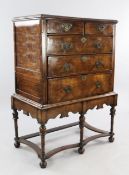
28	59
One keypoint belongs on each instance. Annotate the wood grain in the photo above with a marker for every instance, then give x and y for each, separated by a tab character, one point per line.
98	28
79	64
63	89
57	27
56	45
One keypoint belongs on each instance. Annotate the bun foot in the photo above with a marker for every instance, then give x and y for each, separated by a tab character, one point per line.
43	164
17	144
111	139
81	150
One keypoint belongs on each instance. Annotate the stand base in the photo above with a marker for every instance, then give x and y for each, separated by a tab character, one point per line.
24	140
111	139
17	144
81	150
42	113
43	164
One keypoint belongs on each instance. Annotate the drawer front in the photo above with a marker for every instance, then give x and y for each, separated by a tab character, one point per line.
78	44
64	89
99	28
78	64
59	26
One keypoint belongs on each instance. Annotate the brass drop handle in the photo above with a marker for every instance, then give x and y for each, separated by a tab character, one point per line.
84	58
83	77
68	89
99	64
66	26
66	46
98	84
66	67
101	27
98	45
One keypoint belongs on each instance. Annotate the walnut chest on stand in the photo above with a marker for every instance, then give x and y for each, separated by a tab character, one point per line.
62	65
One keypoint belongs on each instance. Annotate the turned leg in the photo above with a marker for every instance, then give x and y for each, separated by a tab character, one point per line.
15	117
81	125
112	113
42	130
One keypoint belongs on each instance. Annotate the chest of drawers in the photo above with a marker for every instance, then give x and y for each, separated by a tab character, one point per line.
63	64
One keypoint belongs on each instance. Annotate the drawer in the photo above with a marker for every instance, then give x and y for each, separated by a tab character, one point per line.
64	89
60	26
78	64
99	28
61	45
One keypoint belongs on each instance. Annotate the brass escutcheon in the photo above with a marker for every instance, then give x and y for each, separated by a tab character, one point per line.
83	39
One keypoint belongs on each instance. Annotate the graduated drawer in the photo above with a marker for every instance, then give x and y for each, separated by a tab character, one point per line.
78	45
62	27
98	28
78	64
64	89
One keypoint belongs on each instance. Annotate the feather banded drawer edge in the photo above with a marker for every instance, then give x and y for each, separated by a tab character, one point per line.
62	65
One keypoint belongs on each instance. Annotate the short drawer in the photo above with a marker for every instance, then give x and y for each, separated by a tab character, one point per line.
98	28
78	64
64	89
61	45
59	26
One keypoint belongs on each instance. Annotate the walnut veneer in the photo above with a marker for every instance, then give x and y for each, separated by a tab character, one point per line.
63	64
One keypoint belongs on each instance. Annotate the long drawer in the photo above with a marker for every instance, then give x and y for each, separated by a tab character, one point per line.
63	89
78	64
62	45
